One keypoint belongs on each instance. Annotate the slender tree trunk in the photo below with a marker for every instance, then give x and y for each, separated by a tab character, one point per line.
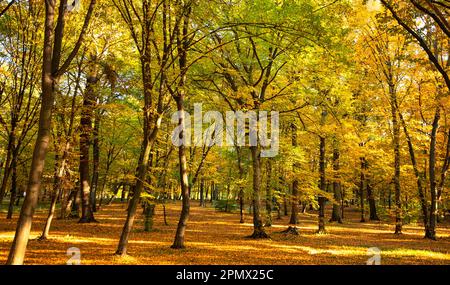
337	206
131	213
294	201
432	173
150	130
420	189
440	187
322	186
184	216
57	188
294	210
7	167
269	195
396	146
202	198
96	160
241	187
362	185
13	185
285	204
241	205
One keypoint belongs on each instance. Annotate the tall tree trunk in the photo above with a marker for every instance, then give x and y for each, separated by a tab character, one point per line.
337	206
432	172
322	186
241	187
396	146
269	194
18	247
202	188
258	229
184	216
140	177
422	197
294	201
87	214
13	185
96	160
373	216
362	185
7	167
179	96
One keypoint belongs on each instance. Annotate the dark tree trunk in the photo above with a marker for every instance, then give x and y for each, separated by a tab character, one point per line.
420	189
294	210
322	186
431	234
13	185
396	146
87	214
336	214
202	188
96	160
241	205
124	191
241	188
285	204
7	166
372	203
362	185
207	192
269	195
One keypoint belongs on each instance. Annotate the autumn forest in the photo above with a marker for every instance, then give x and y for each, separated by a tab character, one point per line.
165	132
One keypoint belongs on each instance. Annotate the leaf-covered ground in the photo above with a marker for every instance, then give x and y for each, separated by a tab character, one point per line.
218	238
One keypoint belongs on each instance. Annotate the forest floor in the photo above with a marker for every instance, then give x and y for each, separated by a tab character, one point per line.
218	238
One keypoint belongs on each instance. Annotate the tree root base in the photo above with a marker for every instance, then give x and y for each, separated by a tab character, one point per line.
291	231
429	235
258	235
42	238
87	220
321	232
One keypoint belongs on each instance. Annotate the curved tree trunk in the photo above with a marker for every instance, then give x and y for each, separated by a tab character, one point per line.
184	216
